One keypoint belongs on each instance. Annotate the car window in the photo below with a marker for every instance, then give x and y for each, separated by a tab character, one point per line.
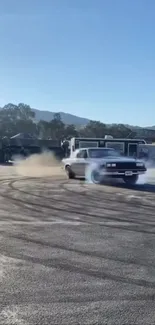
82	154
101	153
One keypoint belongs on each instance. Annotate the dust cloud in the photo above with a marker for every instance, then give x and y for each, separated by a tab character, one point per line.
39	165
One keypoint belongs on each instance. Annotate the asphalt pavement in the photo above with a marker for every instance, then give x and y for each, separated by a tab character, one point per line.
74	253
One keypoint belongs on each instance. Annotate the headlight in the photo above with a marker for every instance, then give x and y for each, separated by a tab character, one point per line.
140	164
111	165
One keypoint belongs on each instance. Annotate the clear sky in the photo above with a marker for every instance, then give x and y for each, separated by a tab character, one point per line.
91	58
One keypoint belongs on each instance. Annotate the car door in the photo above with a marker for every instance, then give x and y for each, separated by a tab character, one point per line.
78	165
83	162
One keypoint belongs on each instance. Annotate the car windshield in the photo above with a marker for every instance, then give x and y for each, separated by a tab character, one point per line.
100	153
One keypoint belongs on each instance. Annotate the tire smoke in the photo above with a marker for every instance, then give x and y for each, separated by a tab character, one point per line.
148	177
89	174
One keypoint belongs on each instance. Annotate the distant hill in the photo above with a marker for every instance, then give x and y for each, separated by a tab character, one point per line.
151	127
66	117
74	119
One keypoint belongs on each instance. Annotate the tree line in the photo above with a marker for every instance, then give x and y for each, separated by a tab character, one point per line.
20	118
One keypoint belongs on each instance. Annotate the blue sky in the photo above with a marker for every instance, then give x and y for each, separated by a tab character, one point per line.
91	58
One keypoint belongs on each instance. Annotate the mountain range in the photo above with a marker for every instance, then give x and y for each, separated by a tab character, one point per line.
71	119
74	119
66	117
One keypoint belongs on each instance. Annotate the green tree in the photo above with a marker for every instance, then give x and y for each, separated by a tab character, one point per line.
21	118
57	127
25	112
43	129
15	119
70	131
94	129
25	126
119	131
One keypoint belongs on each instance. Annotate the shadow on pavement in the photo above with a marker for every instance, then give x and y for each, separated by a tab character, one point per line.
138	187
147	187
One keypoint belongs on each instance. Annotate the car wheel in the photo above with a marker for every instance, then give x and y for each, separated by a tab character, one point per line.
96	177
131	180
69	172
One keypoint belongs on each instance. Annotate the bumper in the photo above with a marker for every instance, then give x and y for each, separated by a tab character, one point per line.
123	173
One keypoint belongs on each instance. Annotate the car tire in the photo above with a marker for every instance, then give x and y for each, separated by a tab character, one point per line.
69	172
131	180
96	177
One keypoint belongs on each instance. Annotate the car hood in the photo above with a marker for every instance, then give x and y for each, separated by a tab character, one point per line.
115	159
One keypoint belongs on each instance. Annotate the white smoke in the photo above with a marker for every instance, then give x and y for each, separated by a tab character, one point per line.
148	177
88	171
89	177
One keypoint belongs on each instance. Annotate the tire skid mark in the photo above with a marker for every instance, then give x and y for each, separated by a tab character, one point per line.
58	264
69	266
69	208
108	206
72	211
133	227
106	201
97	297
78	251
113	196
